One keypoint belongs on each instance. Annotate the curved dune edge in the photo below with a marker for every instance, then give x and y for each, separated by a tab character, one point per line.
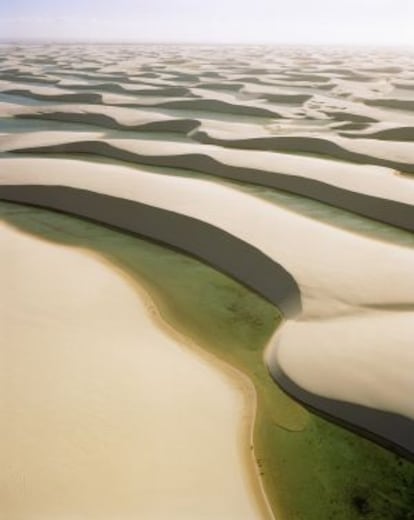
100	208
220	85
240	383
255	166
403	133
399	104
19	77
280	97
215	105
182	126
305	144
103	116
214	246
389	211
393	431
203	104
139	90
72	97
350	116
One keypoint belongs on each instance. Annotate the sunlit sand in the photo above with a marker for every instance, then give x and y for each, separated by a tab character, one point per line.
105	413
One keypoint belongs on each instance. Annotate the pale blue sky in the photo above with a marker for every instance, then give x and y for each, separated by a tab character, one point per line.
388	22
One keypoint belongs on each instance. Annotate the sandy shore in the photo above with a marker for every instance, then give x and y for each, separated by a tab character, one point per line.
114	411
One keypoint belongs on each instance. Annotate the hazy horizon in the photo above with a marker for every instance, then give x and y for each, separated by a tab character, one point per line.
269	22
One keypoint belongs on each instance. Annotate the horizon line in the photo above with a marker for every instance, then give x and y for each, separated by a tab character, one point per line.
84	41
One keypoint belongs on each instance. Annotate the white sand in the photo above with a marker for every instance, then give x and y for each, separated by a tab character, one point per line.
339	274
104	415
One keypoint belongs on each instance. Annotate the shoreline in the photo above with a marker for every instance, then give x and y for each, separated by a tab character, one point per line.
233	375
239	386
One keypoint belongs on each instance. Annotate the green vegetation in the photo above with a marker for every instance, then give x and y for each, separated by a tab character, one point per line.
312	469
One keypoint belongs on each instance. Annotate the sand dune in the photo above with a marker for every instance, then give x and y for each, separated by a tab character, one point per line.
399	104
378	195
216	105
122	118
182	126
331	289
349	116
390	134
332	125
119	88
334	148
72	97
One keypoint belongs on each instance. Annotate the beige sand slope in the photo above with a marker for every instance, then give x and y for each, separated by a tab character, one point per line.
104	414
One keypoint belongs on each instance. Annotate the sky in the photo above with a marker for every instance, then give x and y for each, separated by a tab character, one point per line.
356	22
